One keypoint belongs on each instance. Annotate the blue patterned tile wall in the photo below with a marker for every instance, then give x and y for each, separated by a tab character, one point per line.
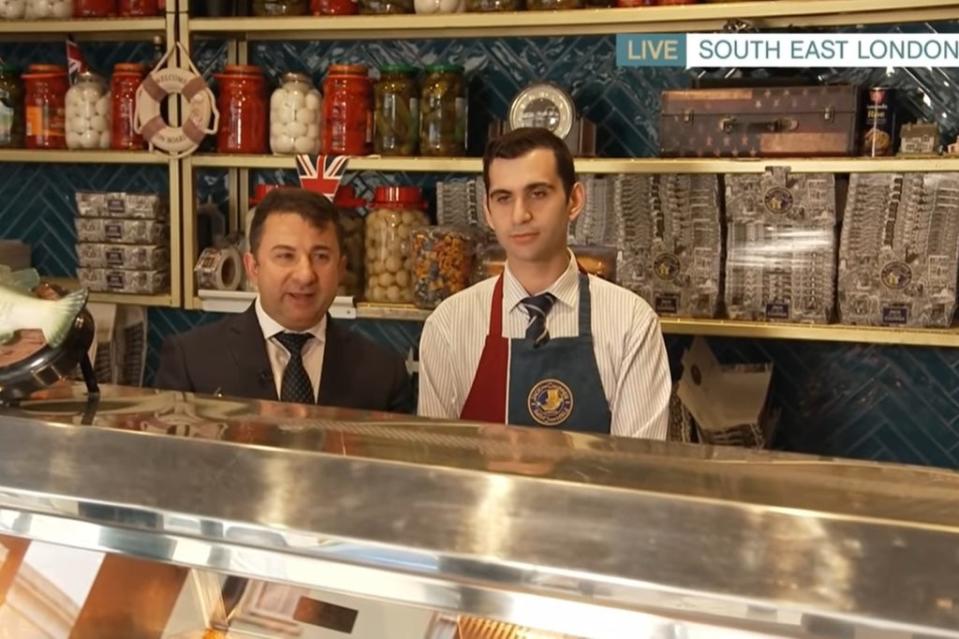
871	402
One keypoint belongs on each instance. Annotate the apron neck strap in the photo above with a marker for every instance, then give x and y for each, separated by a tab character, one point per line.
496	310
585	305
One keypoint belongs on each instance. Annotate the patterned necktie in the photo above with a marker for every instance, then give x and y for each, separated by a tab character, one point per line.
296	386
538	307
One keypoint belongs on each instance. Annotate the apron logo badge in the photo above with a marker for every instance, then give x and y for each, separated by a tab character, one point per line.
550	402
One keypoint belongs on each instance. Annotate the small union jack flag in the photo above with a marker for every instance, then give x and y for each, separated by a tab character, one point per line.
321	173
76	63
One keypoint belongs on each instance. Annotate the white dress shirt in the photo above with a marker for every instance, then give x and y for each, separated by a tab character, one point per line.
627	342
279	357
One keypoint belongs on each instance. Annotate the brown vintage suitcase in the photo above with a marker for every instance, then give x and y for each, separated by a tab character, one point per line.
760	122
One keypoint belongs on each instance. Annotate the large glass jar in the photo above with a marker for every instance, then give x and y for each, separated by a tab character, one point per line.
395	213
94	8
137	8
45	97
552	5
443	111
243	112
386	6
333	7
11	108
485	6
396	119
281	7
295	109
442	263
12	9
347	110
350	210
88	113
53	9
123	87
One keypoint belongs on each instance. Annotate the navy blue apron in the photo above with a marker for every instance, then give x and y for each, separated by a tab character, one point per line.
555	385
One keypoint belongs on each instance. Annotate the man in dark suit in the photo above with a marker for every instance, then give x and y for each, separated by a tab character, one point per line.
285	346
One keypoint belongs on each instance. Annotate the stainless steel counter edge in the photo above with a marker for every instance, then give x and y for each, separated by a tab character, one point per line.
525	550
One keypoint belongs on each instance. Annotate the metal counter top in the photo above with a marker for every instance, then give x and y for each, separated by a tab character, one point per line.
576	533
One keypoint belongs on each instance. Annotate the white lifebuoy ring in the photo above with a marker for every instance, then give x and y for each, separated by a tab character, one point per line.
149	122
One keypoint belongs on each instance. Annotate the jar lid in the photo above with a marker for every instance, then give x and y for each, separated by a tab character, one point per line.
446	230
46	69
129	67
444	68
347	69
292	76
398	69
346	198
89	75
399	197
260	192
242	69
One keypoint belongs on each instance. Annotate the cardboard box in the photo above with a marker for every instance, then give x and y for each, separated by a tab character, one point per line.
727	404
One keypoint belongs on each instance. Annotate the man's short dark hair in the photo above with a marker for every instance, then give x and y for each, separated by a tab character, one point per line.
519	142
311	206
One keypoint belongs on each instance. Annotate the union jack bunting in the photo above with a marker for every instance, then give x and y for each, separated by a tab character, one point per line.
321	173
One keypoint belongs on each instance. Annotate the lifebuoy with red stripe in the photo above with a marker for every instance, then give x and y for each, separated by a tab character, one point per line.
154	90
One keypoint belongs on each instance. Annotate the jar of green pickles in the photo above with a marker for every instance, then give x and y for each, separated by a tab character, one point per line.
443	111
553	5
281	7
396	115
385	6
489	6
11	108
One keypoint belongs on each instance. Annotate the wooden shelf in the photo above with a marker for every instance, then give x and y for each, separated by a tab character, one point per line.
945	337
214	301
132	300
607	165
82	157
702	17
102	29
71	284
238	301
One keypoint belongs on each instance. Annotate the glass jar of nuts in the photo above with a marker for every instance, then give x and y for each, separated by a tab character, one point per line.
442	263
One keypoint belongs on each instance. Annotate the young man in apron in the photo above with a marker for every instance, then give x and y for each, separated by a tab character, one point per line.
543	344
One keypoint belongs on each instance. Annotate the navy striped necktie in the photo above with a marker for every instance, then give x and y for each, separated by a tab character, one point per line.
538	307
296	386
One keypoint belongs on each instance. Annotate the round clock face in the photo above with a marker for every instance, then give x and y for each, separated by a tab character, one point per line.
543	105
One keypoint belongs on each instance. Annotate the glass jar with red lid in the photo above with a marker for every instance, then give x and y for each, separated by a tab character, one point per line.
138	8
45	102
333	7
395	213
244	110
127	77
347	110
94	8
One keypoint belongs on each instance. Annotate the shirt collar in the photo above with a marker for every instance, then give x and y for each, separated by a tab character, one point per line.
271	327
565	288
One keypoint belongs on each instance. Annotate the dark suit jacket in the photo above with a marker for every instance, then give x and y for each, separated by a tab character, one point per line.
229	357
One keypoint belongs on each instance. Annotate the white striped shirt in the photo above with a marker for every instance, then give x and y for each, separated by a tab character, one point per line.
627	341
